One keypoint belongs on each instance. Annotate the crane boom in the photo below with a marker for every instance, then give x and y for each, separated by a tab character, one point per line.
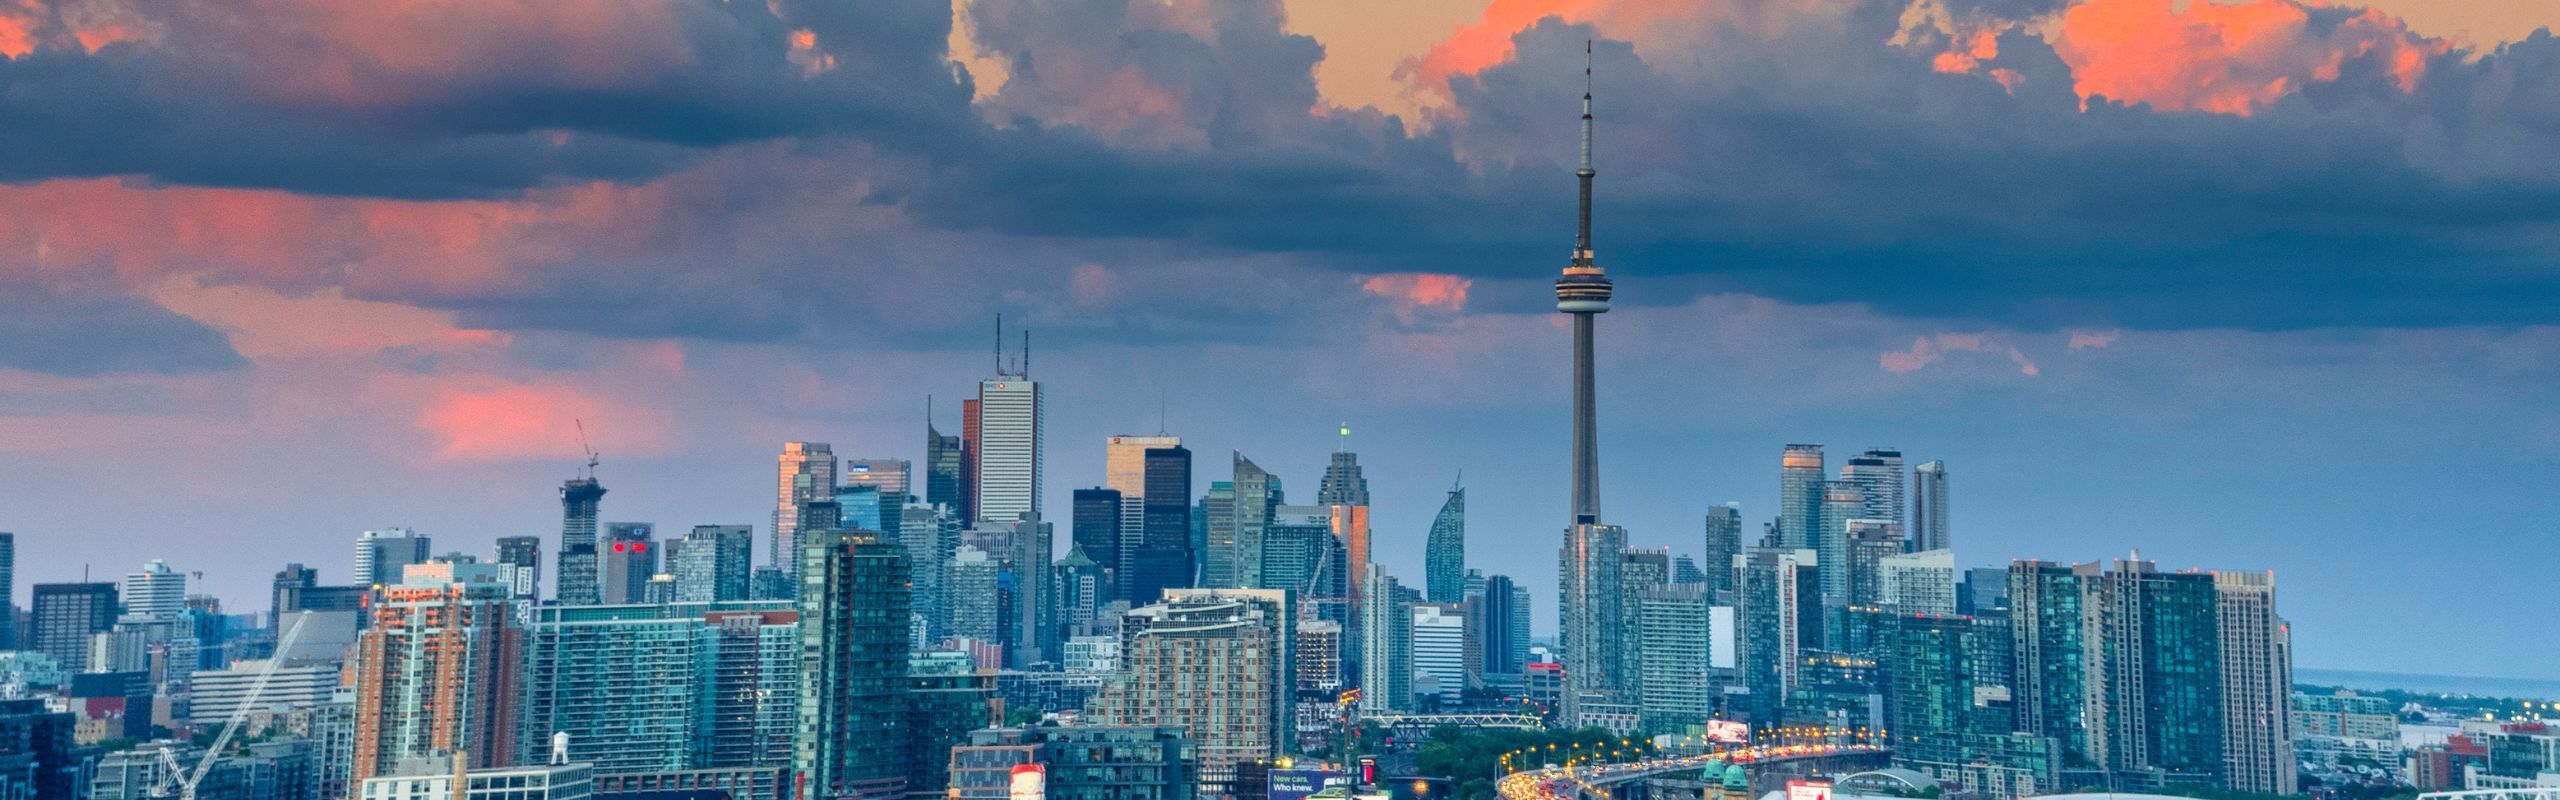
187	788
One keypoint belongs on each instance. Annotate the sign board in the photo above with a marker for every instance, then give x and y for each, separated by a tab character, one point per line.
1030	782
1296	784
1808	790
1728	732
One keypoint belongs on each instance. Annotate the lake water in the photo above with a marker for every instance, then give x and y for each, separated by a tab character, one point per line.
2522	688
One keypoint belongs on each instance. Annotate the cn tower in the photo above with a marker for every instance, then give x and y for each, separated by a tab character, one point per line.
1589	601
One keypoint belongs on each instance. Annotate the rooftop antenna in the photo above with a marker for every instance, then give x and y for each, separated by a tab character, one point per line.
928	410
1346	438
999	342
1026	354
592	457
1460	482
1160	412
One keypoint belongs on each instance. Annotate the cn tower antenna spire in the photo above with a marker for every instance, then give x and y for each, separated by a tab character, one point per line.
1582	231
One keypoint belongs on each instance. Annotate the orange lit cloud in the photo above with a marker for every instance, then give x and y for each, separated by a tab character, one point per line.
508	420
1487	41
137	235
1418	291
2228	58
1927	350
263	323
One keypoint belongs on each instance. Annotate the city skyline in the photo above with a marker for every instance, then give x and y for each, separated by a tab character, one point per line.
2112	364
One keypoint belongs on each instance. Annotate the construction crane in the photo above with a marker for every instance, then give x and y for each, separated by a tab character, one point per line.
184	788
593	458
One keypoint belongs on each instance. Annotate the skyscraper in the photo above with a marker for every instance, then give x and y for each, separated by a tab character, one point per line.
1841	502
712	564
946	476
8	591
436	672
1257	494
1439	651
520	559
579	573
1095	526
1032	628
1445	551
1499	613
1009	443
1386	644
581	504
1673	648
2257	682
853	636
1590	603
156	592
1777	612
1918	583
626	560
804	472
1215	545
641	688
2163	677
972	444
62	617
888	480
1800	494
380	555
1163	557
1124	469
1724	541
1213	661
930	534
1878	475
1344	494
1929	506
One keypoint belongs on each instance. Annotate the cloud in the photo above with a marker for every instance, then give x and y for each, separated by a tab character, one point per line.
264	324
93	334
2233	58
501	420
1412	294
2094	340
1928	350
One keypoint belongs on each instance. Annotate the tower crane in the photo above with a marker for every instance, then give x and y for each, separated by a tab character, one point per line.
183	786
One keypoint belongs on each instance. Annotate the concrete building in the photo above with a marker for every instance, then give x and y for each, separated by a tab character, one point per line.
1674	650
436	671
1077	762
432	778
1214	662
1918	583
712	563
638	688
64	615
1439	651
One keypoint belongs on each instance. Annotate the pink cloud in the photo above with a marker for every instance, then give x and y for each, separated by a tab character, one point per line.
137	236
2094	340
1927	350
2229	58
1414	292
498	420
263	323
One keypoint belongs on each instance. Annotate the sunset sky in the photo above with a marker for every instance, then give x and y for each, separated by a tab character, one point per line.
2249	286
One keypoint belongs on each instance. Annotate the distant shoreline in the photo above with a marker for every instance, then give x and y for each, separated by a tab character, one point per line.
2518	688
